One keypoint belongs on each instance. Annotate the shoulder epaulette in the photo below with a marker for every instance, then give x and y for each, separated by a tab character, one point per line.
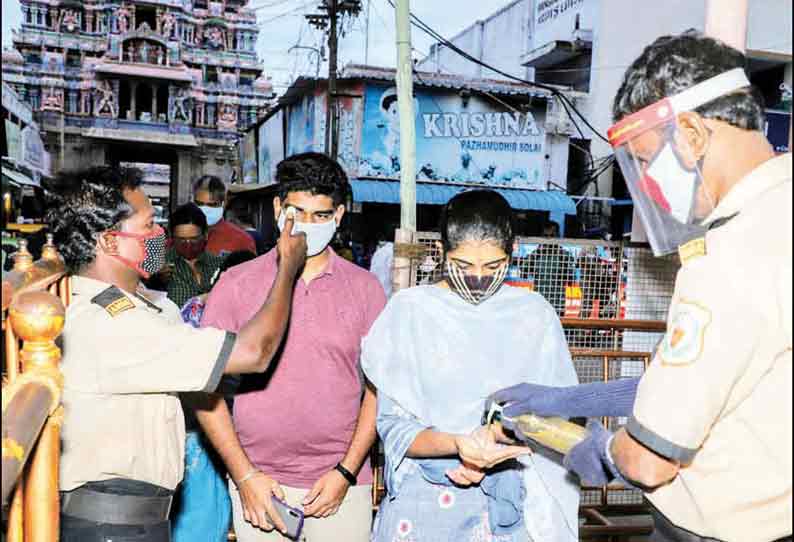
148	303
720	222
113	300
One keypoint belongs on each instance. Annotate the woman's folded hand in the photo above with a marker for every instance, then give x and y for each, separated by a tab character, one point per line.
481	450
466	475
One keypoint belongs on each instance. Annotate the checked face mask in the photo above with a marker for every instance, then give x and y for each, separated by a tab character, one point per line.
153	249
474	289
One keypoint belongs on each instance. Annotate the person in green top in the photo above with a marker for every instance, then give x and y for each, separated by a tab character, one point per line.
190	266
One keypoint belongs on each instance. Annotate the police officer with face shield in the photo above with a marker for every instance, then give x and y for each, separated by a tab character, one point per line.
126	354
709	436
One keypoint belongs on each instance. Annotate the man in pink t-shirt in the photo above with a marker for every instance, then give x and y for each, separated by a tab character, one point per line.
302	432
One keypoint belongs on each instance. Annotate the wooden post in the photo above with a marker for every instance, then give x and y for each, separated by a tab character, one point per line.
38	319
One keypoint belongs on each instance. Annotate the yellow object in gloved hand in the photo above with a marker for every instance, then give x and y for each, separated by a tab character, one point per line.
554	433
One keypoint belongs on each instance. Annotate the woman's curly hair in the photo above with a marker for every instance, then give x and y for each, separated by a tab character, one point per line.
83	204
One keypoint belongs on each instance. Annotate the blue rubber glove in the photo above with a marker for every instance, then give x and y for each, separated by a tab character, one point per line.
614	398
589	460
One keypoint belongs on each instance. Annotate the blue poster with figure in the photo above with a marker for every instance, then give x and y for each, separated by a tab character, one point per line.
460	139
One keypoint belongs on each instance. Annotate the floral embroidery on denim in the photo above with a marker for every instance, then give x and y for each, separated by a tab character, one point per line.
404	528
446	499
482	532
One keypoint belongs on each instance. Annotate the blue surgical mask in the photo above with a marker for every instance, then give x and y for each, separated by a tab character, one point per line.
213	214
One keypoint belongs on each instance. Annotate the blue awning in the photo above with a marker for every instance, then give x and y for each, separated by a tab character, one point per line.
555	202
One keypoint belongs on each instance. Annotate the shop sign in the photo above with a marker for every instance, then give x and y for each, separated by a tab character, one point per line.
777	128
14	105
33	154
555	20
248	157
459	140
271	148
13	140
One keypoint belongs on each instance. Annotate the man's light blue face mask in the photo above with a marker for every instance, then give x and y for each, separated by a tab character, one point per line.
213	214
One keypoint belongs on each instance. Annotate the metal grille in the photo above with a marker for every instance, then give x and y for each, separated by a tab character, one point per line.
580	279
591	497
592	367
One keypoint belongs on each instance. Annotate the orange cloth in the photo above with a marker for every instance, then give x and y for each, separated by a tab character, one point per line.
225	238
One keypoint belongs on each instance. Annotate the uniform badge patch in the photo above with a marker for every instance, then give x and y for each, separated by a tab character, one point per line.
683	343
691	250
114	301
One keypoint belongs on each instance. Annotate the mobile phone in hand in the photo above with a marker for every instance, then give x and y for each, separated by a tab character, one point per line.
291	517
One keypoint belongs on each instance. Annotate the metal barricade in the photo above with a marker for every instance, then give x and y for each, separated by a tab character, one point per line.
34	298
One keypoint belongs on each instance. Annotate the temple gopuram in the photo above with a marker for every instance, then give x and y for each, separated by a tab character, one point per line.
170	82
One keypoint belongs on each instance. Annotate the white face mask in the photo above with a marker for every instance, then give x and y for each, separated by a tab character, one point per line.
213	214
676	183
318	236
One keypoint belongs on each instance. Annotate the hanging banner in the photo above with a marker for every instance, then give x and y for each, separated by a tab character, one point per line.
33	154
13	104
13	141
271	148
459	140
248	157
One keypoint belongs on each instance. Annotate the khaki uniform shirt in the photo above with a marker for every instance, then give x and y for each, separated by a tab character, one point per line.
124	359
717	397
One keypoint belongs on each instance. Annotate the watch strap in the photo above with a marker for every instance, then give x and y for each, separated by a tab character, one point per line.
349	476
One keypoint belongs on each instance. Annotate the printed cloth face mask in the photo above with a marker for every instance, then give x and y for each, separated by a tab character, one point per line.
318	236
474	289
152	248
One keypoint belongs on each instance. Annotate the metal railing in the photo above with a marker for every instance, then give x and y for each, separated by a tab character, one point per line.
34	298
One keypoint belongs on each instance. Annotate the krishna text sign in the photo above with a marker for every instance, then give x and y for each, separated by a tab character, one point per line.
460	140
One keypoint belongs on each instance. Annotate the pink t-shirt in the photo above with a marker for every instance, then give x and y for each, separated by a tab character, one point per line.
296	422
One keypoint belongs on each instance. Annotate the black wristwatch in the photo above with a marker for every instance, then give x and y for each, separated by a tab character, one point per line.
349	476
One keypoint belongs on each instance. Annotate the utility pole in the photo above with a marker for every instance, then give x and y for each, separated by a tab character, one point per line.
366	37
405	103
401	275
330	113
330	19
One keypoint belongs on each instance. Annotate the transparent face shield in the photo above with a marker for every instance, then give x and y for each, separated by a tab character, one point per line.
667	187
662	171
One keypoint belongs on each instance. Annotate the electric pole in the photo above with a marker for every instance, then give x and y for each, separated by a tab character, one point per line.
366	38
405	101
334	9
